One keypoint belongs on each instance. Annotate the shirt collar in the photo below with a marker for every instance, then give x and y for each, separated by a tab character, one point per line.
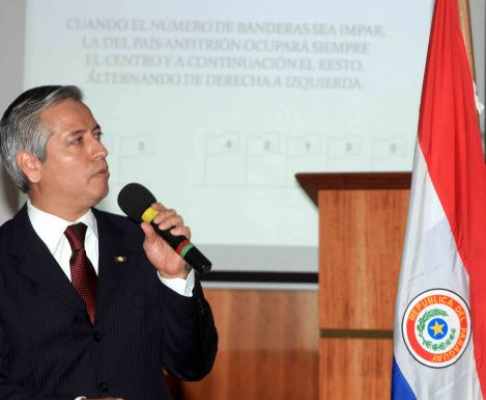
50	228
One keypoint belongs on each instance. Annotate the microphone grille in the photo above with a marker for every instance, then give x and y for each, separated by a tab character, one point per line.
134	199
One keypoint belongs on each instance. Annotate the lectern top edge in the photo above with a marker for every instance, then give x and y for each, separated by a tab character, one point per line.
313	182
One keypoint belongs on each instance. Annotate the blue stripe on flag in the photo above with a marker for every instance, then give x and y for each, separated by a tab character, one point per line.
400	388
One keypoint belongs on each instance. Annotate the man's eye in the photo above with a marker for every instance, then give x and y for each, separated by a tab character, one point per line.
77	140
97	135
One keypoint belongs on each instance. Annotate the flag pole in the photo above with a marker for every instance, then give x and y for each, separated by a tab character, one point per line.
466	30
465	24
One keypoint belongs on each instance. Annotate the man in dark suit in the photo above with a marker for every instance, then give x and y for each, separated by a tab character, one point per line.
137	310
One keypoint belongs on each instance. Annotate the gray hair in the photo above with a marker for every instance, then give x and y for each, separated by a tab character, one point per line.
22	130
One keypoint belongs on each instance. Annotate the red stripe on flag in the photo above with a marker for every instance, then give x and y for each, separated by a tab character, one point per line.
450	140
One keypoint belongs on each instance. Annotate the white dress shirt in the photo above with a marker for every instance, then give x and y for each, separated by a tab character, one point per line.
50	229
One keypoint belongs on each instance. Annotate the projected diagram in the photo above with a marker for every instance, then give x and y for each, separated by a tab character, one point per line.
387	151
273	158
135	156
268	159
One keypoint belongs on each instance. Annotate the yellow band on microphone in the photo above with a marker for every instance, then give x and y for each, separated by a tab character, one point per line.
149	214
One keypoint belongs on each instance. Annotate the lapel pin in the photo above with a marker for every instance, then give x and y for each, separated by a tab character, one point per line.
120	259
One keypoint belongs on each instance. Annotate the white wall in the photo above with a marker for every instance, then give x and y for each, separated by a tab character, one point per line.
12	15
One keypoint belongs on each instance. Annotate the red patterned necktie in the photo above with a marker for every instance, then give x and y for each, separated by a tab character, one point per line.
83	275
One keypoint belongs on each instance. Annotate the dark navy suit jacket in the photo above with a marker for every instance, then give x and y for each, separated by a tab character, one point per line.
50	350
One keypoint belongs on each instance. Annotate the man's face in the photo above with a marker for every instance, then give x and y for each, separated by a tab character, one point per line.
75	175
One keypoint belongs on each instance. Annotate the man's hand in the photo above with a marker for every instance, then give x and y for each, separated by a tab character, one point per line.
167	262
105	398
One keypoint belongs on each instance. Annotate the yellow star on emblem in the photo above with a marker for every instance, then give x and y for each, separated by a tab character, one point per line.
437	328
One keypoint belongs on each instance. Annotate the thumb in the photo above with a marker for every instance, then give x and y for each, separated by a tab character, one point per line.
150	234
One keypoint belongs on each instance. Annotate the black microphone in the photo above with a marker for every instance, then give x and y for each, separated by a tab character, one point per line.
135	201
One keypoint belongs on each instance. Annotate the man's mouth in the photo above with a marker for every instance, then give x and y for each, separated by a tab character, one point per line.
103	171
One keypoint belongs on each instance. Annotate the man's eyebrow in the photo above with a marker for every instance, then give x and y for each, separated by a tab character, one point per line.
76	132
97	127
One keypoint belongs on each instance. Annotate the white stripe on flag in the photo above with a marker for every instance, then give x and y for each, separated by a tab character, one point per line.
431	261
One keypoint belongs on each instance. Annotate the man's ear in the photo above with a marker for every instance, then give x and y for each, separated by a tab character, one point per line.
30	165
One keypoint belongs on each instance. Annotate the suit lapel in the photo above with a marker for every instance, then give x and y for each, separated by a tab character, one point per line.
114	262
36	262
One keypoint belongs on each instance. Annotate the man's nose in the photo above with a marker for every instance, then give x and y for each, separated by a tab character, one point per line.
98	148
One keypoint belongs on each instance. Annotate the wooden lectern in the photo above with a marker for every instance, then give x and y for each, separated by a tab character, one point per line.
362	218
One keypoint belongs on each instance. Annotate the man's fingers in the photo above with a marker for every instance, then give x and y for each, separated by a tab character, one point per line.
167	219
181	230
